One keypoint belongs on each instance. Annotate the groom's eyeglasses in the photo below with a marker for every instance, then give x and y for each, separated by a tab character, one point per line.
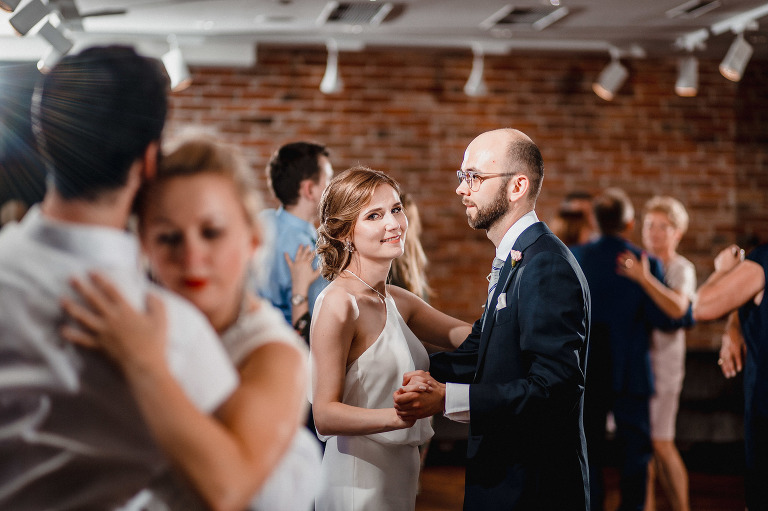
474	180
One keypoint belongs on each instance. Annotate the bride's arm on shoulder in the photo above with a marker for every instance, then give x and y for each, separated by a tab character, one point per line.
333	329
427	323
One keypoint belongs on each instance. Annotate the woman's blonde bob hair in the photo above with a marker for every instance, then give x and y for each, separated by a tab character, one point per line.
671	207
343	200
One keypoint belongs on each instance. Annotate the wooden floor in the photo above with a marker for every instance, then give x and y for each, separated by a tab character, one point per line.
442	489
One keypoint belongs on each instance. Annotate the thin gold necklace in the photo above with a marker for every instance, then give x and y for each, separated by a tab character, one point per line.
367	285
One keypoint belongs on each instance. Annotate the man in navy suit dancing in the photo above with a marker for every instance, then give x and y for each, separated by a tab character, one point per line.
518	378
620	379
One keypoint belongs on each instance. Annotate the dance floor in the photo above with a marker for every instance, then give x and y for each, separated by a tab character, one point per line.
715	485
442	489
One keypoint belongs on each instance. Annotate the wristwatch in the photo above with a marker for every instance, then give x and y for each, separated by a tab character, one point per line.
298	299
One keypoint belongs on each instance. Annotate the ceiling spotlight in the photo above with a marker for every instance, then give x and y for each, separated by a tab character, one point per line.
176	67
56	37
9	5
29	16
610	80
49	60
735	61
332	82
475	85
687	84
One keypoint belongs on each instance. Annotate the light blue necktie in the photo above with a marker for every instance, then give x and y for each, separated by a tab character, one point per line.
493	277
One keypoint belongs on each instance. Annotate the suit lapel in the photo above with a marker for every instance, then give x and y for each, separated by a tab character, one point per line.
508	272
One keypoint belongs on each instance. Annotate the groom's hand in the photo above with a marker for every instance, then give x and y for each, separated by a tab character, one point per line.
420	396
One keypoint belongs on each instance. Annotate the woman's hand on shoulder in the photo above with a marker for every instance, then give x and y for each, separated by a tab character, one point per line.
303	274
106	320
633	268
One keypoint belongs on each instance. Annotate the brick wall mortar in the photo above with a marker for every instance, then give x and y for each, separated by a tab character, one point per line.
404	112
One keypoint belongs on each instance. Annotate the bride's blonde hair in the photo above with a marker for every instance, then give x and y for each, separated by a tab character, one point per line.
343	200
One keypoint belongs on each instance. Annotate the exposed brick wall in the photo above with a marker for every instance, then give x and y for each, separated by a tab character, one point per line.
403	111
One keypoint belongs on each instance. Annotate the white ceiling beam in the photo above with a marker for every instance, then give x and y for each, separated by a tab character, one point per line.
740	22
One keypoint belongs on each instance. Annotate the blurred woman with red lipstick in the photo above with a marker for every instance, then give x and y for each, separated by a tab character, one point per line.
364	336
199	230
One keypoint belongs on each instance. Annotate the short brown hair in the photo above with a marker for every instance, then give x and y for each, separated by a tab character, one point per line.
526	154
95	114
613	211
290	165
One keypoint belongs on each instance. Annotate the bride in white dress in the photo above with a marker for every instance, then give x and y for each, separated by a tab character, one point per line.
365	335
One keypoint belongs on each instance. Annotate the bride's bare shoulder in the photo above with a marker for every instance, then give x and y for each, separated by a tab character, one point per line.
407	302
338	303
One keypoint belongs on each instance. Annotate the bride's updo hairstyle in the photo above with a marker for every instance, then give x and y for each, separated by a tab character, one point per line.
343	200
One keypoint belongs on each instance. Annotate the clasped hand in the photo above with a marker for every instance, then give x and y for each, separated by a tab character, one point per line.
420	396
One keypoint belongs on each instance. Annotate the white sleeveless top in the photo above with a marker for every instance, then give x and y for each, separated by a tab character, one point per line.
294	482
254	329
372	379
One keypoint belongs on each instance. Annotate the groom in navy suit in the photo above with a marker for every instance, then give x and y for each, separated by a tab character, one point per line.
518	379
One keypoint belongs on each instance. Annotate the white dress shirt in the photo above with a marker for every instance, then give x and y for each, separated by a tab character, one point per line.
457	394
72	434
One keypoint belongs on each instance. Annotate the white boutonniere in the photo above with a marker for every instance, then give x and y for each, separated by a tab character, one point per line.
516	256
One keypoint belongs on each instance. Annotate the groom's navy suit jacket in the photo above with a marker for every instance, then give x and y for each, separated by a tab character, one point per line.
525	361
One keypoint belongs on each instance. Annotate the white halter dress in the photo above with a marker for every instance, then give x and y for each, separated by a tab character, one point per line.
378	472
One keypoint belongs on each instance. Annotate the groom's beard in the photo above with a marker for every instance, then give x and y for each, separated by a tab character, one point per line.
490	214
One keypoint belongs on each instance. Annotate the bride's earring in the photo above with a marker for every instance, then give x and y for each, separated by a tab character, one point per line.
348	246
